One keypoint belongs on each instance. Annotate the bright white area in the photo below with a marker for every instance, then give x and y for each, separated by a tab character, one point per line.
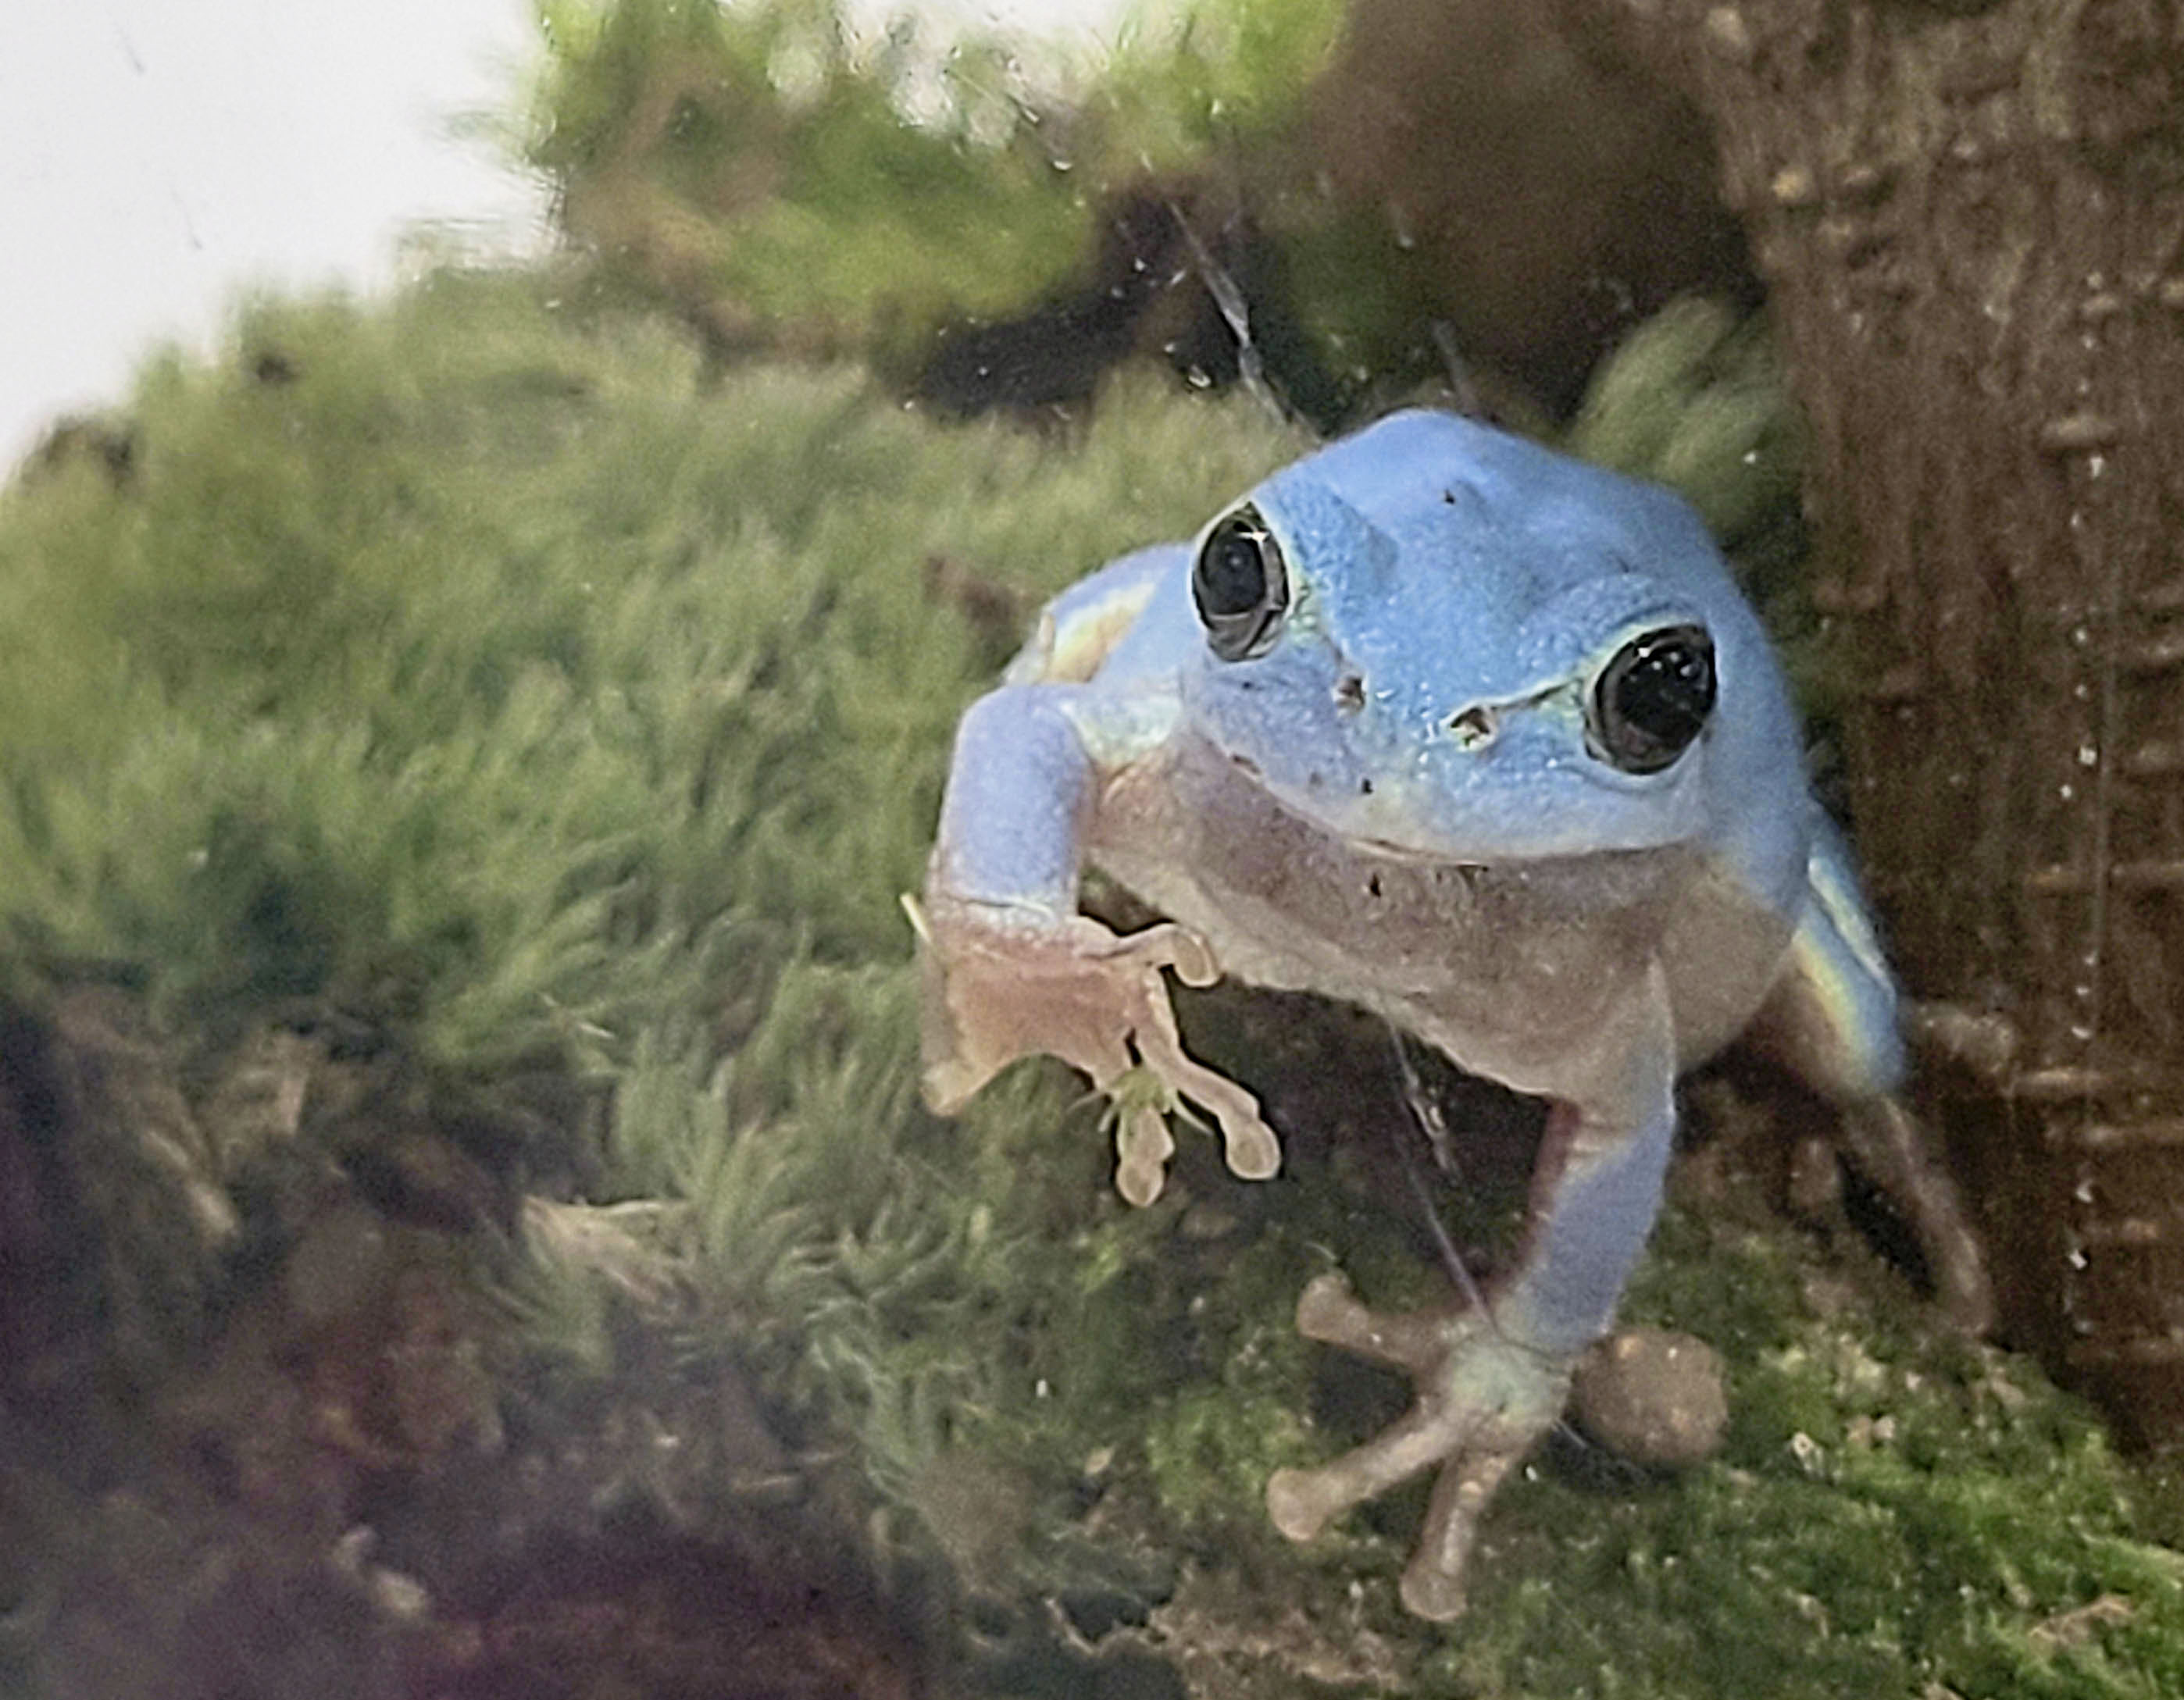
158	157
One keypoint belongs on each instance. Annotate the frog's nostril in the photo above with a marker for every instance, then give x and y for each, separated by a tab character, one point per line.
1349	693
1473	728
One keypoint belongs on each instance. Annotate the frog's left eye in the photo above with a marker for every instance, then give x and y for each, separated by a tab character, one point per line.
1653	697
1241	586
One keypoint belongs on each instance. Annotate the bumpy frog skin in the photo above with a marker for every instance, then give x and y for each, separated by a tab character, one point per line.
1481	738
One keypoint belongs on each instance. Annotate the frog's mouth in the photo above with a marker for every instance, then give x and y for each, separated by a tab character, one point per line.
1411	856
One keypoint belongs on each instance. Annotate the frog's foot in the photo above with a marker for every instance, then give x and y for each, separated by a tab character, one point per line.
1483	1402
1886	1142
1003	983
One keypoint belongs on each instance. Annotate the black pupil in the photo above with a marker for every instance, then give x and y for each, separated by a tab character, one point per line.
1232	575
1666	691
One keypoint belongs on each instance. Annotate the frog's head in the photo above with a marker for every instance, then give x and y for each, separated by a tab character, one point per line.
1442	641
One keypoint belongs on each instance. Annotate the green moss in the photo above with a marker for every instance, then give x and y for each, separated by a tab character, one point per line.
488	676
1893	1510
489	679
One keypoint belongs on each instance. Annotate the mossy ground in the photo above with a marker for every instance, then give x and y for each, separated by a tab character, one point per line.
466	669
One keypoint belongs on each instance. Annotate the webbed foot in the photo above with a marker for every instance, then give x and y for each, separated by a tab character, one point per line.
1483	1401
1003	983
1886	1142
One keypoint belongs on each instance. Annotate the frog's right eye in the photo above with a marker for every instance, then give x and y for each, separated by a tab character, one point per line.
1653	698
1241	586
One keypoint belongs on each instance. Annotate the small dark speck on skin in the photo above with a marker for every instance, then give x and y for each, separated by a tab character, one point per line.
1364	787
1315	780
1247	763
1372	884
1449	497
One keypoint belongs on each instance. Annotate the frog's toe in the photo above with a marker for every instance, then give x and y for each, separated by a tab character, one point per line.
1300	1503
1142	1146
1431	1593
1327	1311
1249	1147
1432	1584
1303	1502
1168	944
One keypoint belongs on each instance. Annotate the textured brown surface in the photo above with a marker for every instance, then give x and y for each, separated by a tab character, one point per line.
1971	227
1544	194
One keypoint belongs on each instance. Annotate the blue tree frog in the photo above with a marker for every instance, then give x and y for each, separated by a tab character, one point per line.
1444	724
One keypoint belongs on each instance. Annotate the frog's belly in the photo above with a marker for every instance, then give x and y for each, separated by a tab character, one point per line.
1506	970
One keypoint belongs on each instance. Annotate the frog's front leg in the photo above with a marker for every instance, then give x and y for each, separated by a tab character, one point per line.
1013	971
1489	1386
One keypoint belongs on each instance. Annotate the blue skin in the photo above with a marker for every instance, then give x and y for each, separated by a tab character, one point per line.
1402	796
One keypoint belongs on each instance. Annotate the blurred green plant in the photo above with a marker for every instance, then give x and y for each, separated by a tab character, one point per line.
788	182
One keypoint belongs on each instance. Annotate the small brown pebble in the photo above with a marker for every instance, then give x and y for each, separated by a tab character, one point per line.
1652	1396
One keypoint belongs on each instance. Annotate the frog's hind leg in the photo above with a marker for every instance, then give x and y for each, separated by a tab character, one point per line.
1833	1019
